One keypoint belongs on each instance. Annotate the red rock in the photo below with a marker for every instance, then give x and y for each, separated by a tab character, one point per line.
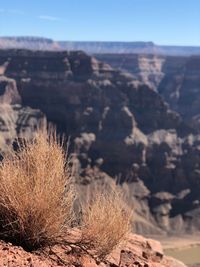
137	252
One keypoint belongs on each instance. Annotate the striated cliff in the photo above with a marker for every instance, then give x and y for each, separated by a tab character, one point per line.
175	78
119	125
15	120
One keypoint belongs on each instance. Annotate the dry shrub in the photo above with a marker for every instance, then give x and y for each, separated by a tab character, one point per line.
36	193
105	222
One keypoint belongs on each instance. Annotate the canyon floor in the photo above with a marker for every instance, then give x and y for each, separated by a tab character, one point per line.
185	248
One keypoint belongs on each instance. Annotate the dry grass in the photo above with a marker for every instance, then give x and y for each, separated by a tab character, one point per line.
36	193
37	200
105	222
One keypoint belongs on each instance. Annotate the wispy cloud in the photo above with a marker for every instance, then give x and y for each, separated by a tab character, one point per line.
50	18
15	11
12	11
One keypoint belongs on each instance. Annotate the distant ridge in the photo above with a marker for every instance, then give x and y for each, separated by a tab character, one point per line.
32	43
92	47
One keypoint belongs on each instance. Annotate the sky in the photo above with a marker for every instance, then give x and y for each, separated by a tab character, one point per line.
168	22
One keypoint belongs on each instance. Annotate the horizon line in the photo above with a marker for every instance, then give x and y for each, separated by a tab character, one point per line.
97	41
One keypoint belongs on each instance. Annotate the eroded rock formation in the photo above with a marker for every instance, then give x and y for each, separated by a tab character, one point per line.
15	120
175	78
120	126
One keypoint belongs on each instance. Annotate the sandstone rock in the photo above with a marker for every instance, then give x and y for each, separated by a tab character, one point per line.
8	91
15	120
175	78
138	251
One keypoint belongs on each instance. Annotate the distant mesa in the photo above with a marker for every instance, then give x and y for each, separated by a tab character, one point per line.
93	47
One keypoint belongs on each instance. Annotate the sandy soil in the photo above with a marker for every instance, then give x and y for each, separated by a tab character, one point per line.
178	242
185	248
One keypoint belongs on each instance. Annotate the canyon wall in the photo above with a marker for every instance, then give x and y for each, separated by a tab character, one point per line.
119	125
15	120
176	79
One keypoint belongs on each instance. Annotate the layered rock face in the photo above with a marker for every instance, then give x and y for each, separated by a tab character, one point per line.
146	68
15	120
175	78
119	126
35	43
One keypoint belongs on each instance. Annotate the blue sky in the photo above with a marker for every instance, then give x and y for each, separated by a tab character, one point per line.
161	21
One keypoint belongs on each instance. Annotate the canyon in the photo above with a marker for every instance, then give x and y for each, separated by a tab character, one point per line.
175	78
134	118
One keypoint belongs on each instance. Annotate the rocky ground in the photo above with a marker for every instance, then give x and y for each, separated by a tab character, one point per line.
137	251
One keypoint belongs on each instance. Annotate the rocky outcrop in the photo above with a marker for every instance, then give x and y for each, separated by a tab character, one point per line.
138	251
175	78
189	97
15	120
147	69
